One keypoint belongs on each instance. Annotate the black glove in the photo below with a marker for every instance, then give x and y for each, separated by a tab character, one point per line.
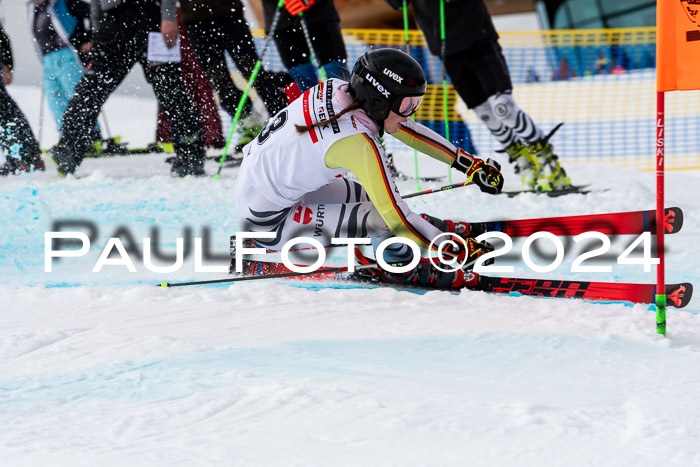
484	174
467	250
397	4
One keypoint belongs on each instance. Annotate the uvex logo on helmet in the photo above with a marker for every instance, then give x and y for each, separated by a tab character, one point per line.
377	85
393	75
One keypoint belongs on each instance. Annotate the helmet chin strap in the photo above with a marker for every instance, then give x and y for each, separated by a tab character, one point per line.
381	128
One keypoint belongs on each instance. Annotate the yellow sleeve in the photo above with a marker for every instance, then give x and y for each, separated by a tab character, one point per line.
363	155
425	140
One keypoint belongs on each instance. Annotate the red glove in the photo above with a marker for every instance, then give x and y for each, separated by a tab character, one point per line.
294	7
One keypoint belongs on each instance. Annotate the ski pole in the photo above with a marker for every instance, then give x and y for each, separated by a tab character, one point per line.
435	190
269	276
104	120
443	56
41	116
408	51
307	36
244	97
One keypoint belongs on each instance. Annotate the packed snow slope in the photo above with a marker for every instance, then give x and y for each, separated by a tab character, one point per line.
105	368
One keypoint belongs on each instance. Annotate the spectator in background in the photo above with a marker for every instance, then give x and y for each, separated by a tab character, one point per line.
602	64
16	137
202	95
532	76
60	39
475	63
218	27
121	39
327	41
565	72
618	69
620	58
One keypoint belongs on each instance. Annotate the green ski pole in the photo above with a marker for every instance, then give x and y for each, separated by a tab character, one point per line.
443	56
408	51
307	36
256	70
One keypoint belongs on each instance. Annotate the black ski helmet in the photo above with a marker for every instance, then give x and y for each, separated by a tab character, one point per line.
381	78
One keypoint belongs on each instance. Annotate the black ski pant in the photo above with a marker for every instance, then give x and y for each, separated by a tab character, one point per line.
15	128
479	72
118	45
326	39
212	39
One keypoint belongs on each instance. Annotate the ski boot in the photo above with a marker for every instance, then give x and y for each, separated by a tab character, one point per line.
464	253
26	164
185	166
423	275
526	164
65	159
189	158
9	167
30	164
552	176
463	229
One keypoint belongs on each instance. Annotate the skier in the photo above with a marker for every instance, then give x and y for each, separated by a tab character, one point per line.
61	40
326	38
121	40
475	63
292	179
216	28
200	91
16	137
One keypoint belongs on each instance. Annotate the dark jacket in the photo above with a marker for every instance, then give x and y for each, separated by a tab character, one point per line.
81	11
5	50
466	23
69	19
197	10
321	11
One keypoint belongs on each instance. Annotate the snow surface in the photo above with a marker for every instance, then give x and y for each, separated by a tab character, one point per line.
108	369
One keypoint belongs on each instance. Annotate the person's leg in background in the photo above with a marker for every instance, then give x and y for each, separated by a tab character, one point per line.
480	76
63	72
17	138
329	46
117	45
166	80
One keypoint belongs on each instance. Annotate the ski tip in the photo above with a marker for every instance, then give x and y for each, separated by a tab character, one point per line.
673	220
164	284
679	295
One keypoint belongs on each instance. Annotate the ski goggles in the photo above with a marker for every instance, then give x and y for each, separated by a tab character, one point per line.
407	106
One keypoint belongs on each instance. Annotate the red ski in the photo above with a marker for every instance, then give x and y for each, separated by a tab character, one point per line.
678	295
619	223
